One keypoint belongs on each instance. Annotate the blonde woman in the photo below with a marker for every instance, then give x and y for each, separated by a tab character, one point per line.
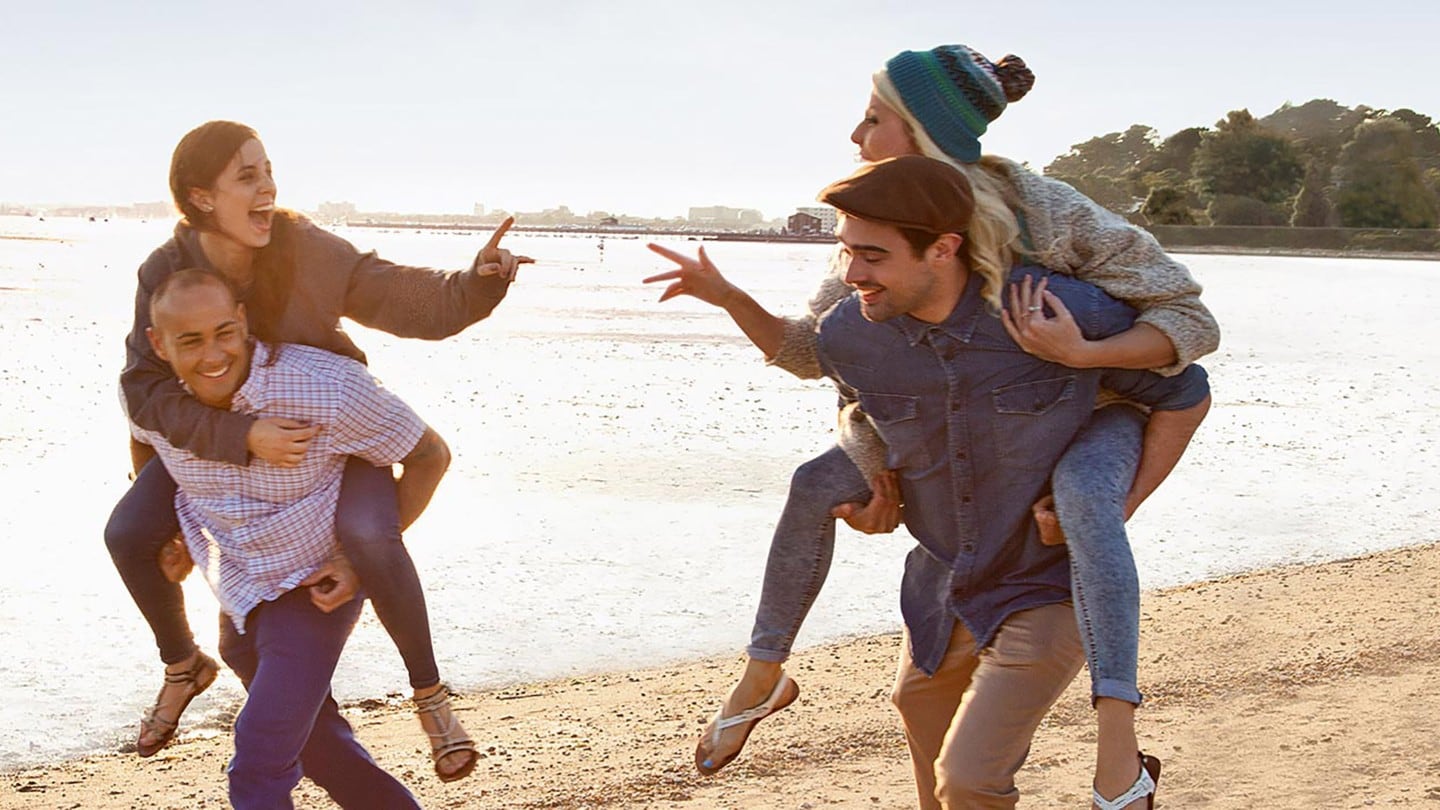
938	103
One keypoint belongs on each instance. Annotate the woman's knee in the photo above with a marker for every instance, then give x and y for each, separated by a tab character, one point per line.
133	533
827	479
364	534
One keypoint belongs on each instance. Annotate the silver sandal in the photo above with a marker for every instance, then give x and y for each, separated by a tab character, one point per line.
448	736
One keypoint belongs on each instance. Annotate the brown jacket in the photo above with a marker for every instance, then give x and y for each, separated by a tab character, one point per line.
332	280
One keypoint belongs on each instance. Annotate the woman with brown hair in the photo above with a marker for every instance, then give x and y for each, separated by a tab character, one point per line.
297	281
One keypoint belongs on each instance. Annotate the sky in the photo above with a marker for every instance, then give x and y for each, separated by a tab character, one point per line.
640	108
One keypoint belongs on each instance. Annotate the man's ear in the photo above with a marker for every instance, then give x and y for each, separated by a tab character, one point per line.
947	246
155	343
242	318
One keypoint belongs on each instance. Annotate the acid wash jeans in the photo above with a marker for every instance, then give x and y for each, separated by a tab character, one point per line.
1090	484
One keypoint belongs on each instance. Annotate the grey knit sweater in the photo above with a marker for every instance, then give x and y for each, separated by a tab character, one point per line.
1070	234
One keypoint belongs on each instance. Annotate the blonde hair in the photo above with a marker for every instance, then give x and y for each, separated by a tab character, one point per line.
992	240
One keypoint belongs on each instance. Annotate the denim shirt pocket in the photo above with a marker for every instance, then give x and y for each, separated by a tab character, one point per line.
1028	434
897	419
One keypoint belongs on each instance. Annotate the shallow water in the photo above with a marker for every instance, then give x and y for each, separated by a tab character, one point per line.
618	464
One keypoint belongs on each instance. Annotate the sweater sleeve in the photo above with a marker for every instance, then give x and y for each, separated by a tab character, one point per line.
1074	235
412	302
799	353
154	398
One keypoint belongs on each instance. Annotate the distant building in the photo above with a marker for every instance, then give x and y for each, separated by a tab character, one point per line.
336	212
724	217
153	210
479	209
802	223
824	213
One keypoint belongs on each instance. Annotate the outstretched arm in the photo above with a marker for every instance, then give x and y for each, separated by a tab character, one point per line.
418	302
700	278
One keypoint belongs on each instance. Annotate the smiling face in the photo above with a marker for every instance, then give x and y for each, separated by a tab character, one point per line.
882	133
240	205
892	280
201	332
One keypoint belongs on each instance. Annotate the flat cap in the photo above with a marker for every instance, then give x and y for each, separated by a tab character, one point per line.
911	191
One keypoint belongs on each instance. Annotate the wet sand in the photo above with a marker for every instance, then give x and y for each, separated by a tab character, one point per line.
1301	687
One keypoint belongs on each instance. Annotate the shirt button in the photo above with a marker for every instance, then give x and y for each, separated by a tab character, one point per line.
960	454
964	498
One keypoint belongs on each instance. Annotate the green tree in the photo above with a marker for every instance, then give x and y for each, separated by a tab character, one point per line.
1424	137
1320	127
1243	159
1102	168
1175	153
1167	205
1233	209
1380	184
1313	208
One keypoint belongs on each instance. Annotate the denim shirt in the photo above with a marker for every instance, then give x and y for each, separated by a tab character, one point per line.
974	427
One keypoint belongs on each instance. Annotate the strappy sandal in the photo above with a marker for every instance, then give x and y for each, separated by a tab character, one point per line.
784	693
448	736
197	679
1144	786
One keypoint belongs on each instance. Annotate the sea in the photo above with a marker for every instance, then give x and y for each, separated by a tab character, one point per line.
619	463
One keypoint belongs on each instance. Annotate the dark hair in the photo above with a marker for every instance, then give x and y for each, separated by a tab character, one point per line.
920	241
186	279
191	277
199	159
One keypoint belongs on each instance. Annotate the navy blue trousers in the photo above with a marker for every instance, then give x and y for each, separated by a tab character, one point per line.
290	725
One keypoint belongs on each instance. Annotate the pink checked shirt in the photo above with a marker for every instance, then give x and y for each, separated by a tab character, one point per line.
257	531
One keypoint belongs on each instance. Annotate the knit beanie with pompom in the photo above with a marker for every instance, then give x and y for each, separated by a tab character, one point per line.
954	92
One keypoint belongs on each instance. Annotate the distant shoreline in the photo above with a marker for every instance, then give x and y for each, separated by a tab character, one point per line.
1303	253
603	231
822	239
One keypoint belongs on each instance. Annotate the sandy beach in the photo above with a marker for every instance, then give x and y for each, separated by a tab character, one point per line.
1297	687
1294	687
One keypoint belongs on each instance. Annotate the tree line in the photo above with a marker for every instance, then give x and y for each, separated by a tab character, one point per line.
1318	164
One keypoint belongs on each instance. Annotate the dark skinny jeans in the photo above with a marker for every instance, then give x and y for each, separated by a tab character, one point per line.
367	523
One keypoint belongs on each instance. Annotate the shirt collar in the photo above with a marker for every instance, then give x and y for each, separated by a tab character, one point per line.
250	398
961	322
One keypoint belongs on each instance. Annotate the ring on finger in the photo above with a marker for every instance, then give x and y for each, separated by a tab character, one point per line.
1034	309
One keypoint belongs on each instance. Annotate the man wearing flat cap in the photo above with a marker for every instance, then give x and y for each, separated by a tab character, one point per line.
974	427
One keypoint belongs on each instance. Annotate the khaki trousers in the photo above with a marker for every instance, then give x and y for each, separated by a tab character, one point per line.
969	727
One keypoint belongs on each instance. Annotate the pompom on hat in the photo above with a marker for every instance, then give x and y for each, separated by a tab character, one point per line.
953	93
